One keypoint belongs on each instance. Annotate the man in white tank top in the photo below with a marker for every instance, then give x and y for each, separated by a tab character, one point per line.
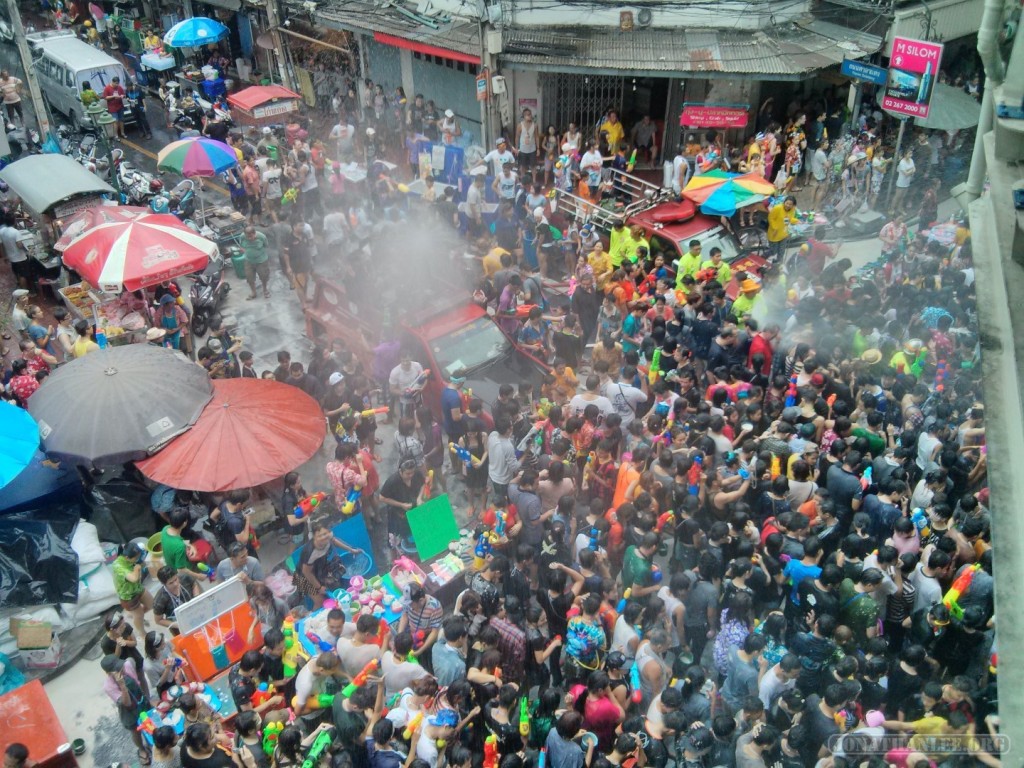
527	141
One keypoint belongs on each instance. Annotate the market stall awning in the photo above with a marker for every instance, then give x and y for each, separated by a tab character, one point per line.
425	48
251	97
786	52
42	181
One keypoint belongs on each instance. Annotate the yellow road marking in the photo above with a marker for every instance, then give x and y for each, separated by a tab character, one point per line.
207	184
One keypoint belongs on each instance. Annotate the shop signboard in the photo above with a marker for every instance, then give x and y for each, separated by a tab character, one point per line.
913	68
861	70
713	116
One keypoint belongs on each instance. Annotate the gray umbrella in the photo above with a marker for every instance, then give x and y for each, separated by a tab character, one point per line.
119	404
951	109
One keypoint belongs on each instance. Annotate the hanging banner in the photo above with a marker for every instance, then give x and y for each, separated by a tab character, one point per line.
712	116
913	69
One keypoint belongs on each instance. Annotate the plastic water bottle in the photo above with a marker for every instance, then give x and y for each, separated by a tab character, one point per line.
101	338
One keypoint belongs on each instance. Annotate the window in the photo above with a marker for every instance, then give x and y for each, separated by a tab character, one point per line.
69	78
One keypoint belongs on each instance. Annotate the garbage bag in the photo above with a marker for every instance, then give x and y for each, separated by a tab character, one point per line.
37	563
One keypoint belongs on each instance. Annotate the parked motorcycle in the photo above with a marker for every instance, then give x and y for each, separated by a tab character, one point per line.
207	294
180	201
137	186
21	140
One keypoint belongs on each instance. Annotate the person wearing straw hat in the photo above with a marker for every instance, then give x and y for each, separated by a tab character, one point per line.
155	337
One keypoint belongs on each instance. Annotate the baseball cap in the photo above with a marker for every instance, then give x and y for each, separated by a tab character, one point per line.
335	378
449	113
817	380
166	299
21	293
499	141
111	664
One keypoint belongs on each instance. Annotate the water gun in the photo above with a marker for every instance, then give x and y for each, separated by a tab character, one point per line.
791	393
413	726
293	651
428	485
867	479
960	585
625	597
921	522
261	695
418	384
693	476
500	521
316	640
588	468
206	570
776	469
665	518
917	366
634	683
491	751
467	458
146	723
360	680
632	160
320	701
594	533
655	369
484	545
656	574
323	741
307	505
382	633
941	371
351	499
270	735
524	717
419	638
465	396
542	758
369	413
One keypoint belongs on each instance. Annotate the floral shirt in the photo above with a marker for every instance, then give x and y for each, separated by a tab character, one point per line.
732	635
24	386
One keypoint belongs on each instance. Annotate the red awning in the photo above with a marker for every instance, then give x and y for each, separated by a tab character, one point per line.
430	50
252	97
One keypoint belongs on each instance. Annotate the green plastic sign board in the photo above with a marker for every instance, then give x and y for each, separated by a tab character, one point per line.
433	527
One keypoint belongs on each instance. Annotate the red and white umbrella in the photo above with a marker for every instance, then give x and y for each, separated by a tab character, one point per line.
115	247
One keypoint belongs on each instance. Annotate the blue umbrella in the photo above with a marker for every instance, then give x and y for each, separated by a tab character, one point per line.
194	32
19	440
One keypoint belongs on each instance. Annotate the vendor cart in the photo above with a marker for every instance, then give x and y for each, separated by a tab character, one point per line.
262	105
123	318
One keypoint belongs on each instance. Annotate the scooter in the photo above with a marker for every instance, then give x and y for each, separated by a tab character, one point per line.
86	147
207	294
139	187
180	201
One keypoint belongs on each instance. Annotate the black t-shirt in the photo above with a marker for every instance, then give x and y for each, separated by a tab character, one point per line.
299	254
109	646
820	727
164	603
219	759
813	598
242	688
556	609
394	488
217	129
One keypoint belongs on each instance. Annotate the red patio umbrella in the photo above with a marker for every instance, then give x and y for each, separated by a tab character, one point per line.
251	432
115	247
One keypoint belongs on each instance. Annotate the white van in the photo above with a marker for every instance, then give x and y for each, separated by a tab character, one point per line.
63	63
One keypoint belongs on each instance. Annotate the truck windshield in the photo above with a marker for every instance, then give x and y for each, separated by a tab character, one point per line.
471	346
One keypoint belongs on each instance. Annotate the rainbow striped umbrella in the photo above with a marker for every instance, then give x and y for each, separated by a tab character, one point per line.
720	193
197	157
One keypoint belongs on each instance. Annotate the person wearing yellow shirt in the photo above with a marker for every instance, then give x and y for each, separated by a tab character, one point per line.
613	128
689	263
617	243
600	262
749	302
723	270
779	217
152	41
492	260
634	242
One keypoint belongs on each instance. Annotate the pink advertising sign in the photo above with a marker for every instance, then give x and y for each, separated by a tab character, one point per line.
913	71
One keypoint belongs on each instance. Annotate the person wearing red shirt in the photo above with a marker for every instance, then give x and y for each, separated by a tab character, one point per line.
761	344
114	96
36	360
23	384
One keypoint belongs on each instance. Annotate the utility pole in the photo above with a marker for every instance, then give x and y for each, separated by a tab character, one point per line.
38	105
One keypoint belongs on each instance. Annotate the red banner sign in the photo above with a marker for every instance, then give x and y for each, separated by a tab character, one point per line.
703	116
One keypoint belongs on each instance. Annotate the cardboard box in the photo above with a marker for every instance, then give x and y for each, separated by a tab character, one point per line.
30	634
43	658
